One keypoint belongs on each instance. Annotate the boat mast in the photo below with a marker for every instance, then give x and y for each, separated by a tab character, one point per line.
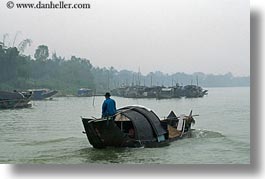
108	80
139	82
151	80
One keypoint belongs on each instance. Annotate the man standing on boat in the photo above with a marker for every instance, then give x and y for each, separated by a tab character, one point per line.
108	107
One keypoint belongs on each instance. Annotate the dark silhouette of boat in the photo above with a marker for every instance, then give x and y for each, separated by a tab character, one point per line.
165	93
136	126
10	100
40	94
193	91
160	92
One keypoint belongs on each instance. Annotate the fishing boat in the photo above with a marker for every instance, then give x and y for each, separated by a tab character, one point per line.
136	126
40	94
10	100
193	91
160	92
165	93
84	92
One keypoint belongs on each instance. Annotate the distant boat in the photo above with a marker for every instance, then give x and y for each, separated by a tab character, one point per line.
84	92
165	93
160	92
40	94
193	91
10	100
137	126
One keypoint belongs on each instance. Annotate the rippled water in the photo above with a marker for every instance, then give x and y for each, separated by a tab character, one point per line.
51	131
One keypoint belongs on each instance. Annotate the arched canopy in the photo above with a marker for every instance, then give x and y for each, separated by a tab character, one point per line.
146	123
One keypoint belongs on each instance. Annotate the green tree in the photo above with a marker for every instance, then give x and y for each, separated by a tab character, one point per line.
23	45
41	53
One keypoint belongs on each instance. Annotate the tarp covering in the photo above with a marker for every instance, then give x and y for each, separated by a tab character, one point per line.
146	123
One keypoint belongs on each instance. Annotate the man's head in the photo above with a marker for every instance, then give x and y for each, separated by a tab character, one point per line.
107	95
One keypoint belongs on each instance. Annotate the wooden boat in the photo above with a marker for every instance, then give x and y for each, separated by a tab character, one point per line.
9	100
136	126
193	91
165	93
84	92
40	94
160	92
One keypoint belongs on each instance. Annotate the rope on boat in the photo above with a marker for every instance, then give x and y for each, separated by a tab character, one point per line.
183	128
16	104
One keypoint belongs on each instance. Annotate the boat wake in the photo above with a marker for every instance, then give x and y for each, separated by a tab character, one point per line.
202	133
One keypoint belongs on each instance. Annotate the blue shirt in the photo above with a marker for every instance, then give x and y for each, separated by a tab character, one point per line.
108	107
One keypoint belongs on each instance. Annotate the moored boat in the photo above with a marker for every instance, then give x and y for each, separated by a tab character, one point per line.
10	100
160	92
40	94
137	126
84	92
193	91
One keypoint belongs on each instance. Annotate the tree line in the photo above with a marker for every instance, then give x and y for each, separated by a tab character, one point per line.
21	72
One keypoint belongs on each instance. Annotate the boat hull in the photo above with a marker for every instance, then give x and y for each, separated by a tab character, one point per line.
135	127
42	94
11	100
104	133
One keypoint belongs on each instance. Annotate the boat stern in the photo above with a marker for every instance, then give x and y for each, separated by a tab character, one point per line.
102	133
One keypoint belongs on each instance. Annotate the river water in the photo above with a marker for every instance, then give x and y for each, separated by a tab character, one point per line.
51	131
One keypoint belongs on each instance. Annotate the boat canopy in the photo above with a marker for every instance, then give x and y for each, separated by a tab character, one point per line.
146	123
10	95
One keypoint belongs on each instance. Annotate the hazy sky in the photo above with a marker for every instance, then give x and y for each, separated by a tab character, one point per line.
210	36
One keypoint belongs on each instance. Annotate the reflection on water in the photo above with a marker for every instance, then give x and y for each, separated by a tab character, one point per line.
108	155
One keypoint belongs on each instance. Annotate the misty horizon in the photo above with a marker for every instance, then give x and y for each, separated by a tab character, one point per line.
211	36
108	67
